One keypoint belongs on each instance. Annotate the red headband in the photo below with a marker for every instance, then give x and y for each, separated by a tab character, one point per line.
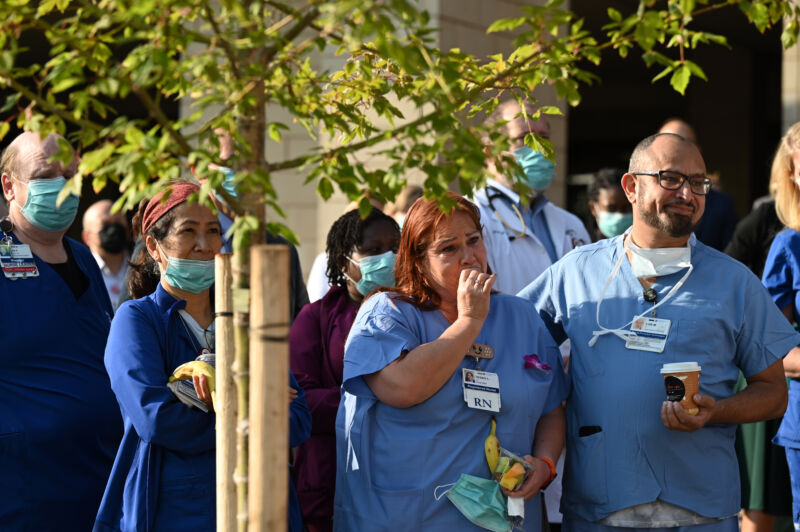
156	208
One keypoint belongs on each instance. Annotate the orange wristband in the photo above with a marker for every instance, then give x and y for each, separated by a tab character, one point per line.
552	467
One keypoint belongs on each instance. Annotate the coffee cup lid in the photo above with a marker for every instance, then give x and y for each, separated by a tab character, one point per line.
680	367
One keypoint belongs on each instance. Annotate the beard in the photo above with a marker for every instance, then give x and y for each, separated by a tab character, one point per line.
675	225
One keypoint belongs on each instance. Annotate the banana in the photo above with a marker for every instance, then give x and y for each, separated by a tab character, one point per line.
197	367
491	446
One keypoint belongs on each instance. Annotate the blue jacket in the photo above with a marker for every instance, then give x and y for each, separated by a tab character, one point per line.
164	474
59	425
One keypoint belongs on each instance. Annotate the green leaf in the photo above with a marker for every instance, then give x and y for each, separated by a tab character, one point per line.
695	69
325	188
506	24
72	186
614	15
680	78
4	127
91	161
274	130
550	110
364	207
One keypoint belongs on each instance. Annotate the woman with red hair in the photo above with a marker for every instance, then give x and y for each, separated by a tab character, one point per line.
411	422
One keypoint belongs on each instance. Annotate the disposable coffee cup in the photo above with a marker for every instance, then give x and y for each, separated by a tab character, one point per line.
682	382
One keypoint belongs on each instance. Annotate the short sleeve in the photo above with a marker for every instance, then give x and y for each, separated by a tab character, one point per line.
780	271
541	293
766	335
380	334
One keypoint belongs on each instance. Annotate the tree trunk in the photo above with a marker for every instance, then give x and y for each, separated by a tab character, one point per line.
269	388
226	396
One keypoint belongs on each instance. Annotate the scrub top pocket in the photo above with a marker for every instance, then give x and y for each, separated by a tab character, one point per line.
585	472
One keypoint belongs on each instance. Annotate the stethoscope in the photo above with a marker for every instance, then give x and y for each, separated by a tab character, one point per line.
492	194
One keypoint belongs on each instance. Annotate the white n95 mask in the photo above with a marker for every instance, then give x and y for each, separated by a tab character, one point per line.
659	261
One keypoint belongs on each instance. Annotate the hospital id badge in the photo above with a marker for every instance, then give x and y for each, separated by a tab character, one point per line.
17	261
649	334
481	389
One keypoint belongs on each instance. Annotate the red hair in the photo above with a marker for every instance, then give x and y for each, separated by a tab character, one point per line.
419	229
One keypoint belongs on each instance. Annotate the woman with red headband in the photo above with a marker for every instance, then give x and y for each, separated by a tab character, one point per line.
164	474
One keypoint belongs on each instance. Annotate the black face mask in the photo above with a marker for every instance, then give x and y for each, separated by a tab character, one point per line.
113	238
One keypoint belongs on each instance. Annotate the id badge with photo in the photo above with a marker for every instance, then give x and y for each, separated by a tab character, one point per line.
17	262
650	334
481	389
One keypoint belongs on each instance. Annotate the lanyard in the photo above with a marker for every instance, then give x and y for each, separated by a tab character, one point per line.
621	332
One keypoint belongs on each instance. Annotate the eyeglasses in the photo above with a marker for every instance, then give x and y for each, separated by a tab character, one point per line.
672	180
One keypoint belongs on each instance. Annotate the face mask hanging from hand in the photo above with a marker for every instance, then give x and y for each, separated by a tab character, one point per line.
376	271
537	170
481	501
612	224
187	274
40	208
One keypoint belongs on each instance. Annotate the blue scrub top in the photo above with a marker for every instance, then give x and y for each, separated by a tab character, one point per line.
59	423
165	471
721	318
391	460
781	277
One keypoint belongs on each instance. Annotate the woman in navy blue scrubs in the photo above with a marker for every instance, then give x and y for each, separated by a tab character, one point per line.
164	474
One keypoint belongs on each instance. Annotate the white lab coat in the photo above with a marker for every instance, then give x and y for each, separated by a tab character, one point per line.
518	260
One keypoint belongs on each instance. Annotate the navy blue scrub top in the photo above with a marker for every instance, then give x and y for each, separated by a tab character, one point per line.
59	421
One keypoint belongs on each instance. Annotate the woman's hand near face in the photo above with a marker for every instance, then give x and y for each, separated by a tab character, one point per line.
474	293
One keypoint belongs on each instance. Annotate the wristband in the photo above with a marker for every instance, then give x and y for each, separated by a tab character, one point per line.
553	473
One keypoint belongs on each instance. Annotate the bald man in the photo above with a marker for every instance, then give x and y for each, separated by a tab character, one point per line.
629	305
59	420
107	236
523	240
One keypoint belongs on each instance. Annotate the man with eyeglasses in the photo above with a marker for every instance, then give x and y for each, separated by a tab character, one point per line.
59	420
524	238
633	303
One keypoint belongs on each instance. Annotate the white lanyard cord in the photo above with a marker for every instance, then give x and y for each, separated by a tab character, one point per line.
621	332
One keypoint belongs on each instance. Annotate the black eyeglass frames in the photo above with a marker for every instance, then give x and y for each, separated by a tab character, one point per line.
672	180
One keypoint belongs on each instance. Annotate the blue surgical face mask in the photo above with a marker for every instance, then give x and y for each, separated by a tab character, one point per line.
614	223
40	208
537	170
481	501
190	275
376	271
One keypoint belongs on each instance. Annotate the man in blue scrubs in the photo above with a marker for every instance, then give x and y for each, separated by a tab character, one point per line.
59	421
632	303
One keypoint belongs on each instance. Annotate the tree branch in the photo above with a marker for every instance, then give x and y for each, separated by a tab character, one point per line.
225	44
48	106
158	114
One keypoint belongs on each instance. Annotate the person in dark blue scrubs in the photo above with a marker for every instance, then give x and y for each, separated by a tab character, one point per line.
59	423
164	475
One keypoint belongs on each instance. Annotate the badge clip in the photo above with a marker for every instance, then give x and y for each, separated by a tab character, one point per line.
481	351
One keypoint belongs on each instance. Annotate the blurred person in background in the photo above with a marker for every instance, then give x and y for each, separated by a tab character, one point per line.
108	237
608	204
781	277
522	240
361	256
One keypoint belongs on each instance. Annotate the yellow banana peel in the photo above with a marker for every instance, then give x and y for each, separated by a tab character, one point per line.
197	367
491	446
